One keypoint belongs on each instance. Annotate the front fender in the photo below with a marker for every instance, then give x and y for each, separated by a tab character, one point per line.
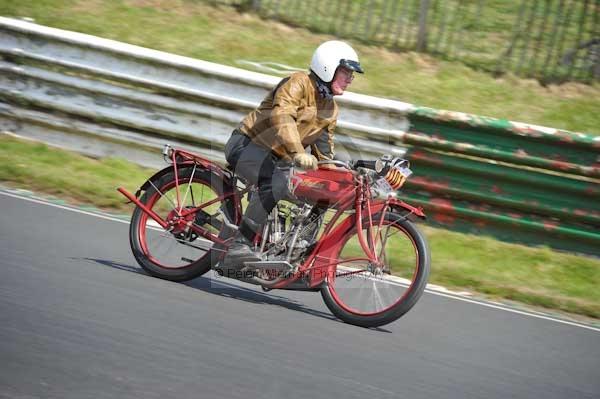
400	205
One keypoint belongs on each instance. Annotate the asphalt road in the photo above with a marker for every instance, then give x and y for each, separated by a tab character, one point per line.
79	319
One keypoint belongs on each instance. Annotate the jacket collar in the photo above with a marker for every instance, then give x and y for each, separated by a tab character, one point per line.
322	87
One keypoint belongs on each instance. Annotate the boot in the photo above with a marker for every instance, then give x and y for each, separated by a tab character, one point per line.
241	250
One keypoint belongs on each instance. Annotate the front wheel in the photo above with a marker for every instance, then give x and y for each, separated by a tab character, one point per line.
371	294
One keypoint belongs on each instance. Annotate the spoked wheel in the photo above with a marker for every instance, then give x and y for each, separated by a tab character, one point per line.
372	294
178	253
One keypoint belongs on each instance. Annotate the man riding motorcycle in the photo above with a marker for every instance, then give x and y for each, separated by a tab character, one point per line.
299	112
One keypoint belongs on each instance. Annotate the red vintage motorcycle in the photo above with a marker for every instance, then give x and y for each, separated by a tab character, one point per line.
342	232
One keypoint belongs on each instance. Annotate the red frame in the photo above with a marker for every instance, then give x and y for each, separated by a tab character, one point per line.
317	266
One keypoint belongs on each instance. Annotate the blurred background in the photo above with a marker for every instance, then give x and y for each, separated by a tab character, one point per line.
552	40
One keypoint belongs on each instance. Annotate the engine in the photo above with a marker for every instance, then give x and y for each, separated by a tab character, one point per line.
291	230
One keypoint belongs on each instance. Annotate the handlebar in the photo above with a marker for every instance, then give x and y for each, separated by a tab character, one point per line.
353	165
334	162
368	164
379	166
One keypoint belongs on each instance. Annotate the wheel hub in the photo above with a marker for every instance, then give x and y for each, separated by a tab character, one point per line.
376	268
180	225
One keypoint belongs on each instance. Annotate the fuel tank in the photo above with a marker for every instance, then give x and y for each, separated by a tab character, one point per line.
324	186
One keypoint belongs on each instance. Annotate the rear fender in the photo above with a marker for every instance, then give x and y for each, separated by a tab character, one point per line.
220	172
158	175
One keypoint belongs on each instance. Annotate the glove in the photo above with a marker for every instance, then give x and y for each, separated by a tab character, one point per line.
327	166
305	161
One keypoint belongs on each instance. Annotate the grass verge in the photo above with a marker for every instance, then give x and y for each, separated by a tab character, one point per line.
71	176
534	276
222	35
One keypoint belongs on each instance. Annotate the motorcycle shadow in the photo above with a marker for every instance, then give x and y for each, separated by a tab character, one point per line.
217	286
252	294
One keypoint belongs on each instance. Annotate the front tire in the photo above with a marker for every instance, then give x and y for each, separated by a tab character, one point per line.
371	295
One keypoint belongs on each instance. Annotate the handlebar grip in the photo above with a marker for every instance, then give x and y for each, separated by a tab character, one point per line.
365	164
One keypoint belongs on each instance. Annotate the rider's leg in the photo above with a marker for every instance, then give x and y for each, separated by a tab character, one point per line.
257	165
272	187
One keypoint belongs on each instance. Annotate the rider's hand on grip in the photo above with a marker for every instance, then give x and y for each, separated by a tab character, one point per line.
327	166
305	161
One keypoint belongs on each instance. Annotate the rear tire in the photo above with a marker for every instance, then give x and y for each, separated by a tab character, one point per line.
181	256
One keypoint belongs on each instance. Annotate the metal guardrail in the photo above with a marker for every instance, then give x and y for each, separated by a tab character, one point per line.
518	182
128	93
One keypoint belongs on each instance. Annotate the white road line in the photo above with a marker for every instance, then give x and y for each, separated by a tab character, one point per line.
68	208
432	289
521	312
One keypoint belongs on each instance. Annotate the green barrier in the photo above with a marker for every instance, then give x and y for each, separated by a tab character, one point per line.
508	227
520	183
536	146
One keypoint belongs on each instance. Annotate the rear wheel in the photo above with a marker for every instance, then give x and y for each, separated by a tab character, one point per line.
181	254
372	294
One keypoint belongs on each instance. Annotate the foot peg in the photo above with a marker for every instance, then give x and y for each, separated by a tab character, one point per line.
274	266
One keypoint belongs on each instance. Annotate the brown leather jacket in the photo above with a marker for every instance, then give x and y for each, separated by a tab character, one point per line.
292	116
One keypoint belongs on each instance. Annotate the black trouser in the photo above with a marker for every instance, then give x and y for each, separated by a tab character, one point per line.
260	167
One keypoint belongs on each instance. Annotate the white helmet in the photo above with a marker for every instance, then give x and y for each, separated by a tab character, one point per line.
330	55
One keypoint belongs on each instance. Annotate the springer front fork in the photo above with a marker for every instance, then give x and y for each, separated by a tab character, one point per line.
373	227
